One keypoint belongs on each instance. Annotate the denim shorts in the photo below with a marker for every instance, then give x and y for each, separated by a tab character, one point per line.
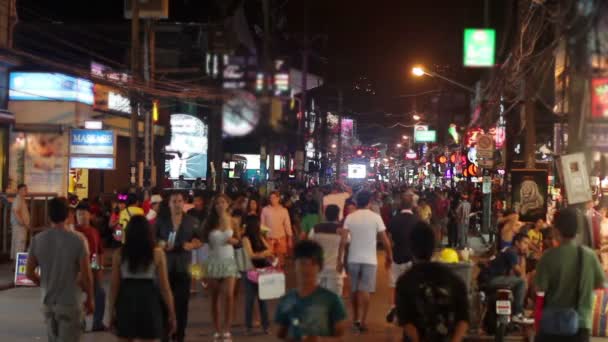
362	277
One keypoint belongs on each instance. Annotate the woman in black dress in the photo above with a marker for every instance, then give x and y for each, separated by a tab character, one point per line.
138	270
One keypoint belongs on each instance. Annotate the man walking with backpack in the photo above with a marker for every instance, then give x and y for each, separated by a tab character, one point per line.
431	300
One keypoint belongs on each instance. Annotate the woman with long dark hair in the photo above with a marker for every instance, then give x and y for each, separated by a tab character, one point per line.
135	297
253	207
259	253
221	265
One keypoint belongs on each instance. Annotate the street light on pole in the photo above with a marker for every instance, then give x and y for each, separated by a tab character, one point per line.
419	71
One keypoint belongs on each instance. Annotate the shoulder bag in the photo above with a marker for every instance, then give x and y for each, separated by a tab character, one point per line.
564	322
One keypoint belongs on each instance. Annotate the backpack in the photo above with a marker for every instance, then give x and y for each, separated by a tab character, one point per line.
435	306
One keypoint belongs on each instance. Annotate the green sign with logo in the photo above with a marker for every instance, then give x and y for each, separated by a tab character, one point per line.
425	136
479	47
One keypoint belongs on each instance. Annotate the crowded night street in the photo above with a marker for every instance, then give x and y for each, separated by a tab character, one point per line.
304	170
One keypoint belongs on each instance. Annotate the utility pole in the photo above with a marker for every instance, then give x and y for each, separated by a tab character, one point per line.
339	154
266	107
300	155
134	103
149	51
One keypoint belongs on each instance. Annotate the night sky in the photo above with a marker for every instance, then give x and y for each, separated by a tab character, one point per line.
379	40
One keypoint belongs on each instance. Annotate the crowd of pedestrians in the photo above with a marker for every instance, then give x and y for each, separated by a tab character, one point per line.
168	245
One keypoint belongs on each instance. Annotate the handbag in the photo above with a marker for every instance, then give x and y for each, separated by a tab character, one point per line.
563	322
243	262
271	285
254	274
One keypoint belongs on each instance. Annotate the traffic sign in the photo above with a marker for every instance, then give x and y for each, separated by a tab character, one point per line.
485	146
479	47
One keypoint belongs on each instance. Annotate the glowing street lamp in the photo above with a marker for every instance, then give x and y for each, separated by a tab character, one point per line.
399	145
405	137
416	117
418	71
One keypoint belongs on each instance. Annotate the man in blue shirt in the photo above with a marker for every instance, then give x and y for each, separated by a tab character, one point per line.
310	311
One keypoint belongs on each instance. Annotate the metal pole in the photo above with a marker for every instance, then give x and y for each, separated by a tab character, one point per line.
434	74
339	154
134	105
152	57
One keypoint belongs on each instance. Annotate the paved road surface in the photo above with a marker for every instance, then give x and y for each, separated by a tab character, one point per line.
21	321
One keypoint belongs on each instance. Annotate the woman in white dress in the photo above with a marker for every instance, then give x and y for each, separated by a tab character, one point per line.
221	265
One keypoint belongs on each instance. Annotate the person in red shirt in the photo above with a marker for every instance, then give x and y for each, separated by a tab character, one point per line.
83	219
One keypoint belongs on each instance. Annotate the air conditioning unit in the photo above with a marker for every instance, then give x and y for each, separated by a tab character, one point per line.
149	9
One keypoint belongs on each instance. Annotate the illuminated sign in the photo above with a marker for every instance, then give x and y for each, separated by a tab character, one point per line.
472	136
107	98
93	124
411	155
46	86
599	98
356	171
92	142
425	136
240	114
105	72
189	142
118	102
188	134
479	47
84	162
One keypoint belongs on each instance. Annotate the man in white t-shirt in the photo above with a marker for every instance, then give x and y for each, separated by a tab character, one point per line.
338	196
364	228
328	234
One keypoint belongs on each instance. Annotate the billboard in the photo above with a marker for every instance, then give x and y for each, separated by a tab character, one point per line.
45	162
48	86
479	47
189	143
357	171
530	190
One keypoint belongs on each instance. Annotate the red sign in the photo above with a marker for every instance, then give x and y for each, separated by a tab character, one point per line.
599	98
472	136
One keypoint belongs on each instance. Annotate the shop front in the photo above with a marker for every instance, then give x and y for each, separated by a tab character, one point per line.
46	105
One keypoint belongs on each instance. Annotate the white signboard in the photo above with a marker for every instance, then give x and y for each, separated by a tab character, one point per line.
357	171
575	178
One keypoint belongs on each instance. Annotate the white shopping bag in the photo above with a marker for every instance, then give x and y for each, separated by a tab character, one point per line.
271	285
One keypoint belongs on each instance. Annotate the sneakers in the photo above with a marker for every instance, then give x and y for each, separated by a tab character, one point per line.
521	319
390	316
